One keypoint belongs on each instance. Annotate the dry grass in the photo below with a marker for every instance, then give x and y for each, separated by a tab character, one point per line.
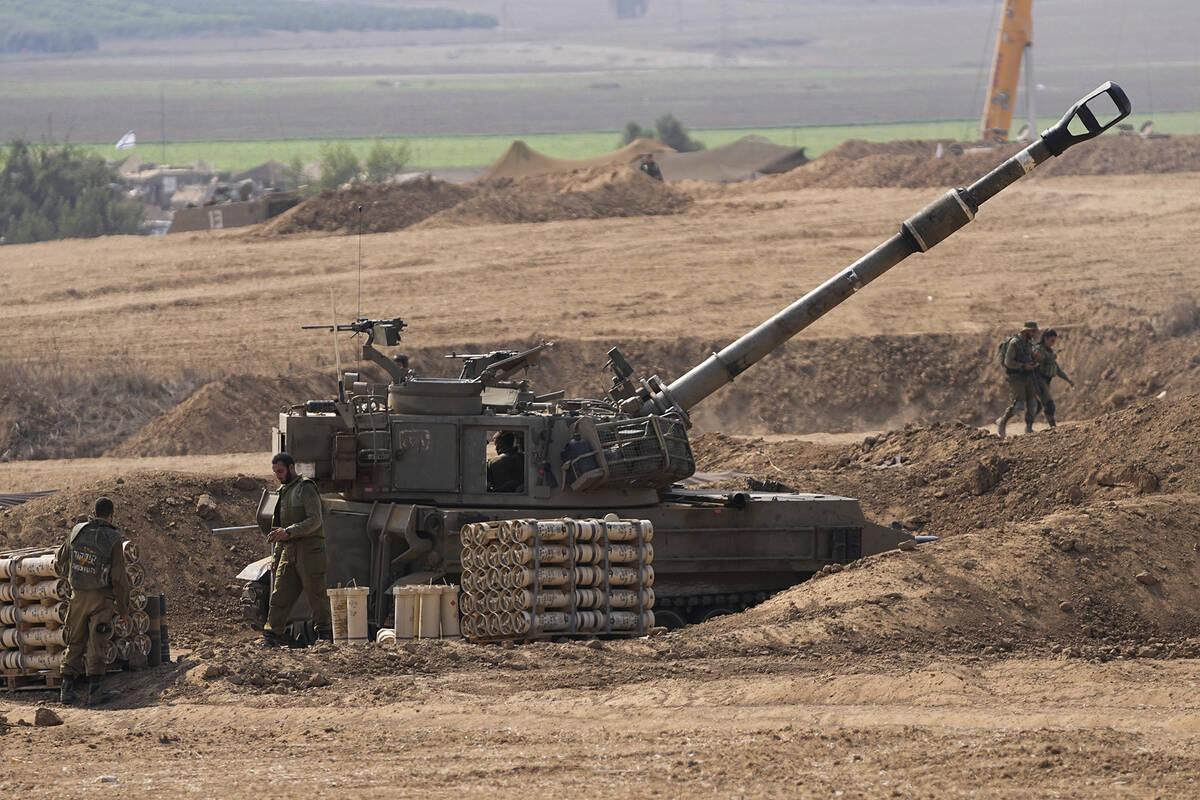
50	411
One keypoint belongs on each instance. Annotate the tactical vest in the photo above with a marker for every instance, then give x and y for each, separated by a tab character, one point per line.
290	508
91	555
1048	365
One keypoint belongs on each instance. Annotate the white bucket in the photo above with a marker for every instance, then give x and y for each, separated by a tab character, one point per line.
337	605
428	612
449	614
356	613
405	618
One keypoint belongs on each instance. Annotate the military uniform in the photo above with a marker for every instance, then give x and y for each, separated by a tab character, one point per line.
506	472
95	567
651	168
300	562
1021	391
1047	369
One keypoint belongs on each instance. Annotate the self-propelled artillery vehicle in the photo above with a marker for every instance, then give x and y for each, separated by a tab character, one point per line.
404	466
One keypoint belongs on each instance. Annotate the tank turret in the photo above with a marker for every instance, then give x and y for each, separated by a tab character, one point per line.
407	464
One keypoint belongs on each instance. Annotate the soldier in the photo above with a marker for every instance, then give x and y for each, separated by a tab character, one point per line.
1019	364
94	561
650	167
506	472
299	558
1047	369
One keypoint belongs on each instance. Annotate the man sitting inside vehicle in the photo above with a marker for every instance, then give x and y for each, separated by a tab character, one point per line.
506	470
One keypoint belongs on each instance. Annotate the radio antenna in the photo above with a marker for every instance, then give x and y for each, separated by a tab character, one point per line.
337	355
360	209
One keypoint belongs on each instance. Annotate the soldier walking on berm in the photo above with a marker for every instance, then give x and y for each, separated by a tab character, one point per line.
650	167
299	561
1019	365
94	560
1047	369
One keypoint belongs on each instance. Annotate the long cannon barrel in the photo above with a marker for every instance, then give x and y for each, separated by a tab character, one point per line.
1086	119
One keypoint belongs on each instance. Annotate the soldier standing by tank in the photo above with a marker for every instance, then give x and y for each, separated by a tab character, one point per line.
299	561
94	561
1047	369
1019	366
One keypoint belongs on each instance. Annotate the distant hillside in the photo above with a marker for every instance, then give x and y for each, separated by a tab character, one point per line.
70	25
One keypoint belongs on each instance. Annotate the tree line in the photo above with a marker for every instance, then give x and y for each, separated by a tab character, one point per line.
69	25
59	192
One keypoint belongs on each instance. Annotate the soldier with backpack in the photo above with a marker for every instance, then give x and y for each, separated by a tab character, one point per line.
1019	362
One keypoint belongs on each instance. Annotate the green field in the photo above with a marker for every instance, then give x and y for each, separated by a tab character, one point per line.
470	151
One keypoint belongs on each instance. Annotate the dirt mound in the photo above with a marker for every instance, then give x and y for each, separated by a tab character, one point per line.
1082	538
617	191
735	161
521	161
1115	579
914	164
948	478
386	207
183	560
230	415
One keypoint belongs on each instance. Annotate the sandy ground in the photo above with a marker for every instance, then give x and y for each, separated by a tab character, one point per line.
884	727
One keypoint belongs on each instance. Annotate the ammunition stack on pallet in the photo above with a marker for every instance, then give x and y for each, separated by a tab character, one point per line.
33	610
131	637
536	579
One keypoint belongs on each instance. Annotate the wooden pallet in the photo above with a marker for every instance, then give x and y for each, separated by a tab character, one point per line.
38	681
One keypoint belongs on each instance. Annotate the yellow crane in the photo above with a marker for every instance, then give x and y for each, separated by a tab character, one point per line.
1013	42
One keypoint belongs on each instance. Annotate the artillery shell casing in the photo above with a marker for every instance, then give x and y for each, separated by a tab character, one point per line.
43	566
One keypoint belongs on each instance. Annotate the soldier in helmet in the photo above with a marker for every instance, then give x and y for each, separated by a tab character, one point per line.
1019	365
94	561
506	471
1047	370
299	559
650	167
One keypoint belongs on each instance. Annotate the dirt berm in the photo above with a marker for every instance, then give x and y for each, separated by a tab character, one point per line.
913	164
595	193
872	383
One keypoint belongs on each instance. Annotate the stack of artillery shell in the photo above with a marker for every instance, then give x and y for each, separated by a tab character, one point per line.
34	600
527	579
33	610
131	642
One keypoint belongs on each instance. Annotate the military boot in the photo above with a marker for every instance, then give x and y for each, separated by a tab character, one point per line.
269	640
325	634
1051	422
96	695
1029	427
66	692
1000	425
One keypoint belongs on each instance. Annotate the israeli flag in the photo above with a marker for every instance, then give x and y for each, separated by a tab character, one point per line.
127	142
